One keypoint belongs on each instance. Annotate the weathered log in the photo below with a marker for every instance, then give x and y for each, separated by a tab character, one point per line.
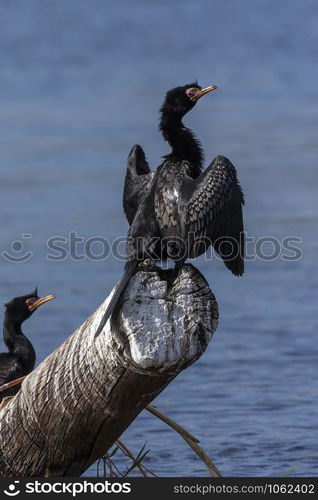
81	398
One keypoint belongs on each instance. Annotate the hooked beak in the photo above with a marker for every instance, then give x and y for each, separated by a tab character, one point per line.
41	301
202	92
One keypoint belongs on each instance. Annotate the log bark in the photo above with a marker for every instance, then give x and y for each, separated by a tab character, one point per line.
81	398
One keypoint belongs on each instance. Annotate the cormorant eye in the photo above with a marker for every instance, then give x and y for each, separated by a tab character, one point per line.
30	302
191	92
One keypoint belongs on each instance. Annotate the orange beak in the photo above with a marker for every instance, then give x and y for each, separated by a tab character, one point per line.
202	92
41	301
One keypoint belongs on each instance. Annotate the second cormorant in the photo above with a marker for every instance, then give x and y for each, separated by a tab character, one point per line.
20	359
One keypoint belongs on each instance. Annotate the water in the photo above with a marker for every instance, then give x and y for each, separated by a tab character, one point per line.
81	82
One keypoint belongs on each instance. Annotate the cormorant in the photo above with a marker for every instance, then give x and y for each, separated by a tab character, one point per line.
178	211
20	359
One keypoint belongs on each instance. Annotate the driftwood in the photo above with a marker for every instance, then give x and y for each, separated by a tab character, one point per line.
81	398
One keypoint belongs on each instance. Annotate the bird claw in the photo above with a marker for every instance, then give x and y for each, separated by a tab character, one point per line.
147	265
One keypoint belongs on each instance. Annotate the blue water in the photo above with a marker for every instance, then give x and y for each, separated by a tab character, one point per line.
80	83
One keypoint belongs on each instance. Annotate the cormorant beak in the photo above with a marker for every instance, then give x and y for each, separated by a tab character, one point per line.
41	301
202	92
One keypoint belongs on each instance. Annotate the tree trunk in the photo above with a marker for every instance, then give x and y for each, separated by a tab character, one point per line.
81	398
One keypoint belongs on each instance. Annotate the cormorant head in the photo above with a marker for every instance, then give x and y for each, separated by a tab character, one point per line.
180	100
21	308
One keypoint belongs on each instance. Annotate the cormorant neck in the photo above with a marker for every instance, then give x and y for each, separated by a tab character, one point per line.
16	342
184	144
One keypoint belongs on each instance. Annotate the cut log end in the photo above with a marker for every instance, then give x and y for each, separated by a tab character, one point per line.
164	318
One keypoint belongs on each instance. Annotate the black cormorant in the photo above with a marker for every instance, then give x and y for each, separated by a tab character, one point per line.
20	359
178	211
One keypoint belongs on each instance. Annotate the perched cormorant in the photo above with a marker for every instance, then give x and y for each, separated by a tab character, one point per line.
178	211
20	359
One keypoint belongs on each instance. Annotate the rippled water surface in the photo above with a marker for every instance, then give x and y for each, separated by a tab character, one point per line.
80	83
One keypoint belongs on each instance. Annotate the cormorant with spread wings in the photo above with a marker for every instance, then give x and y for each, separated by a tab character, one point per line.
178	211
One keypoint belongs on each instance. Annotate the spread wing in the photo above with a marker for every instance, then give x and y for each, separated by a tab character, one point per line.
137	181
213	214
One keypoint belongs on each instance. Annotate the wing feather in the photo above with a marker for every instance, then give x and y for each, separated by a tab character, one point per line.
137	181
10	369
213	214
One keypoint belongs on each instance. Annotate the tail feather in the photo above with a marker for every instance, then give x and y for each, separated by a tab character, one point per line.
129	270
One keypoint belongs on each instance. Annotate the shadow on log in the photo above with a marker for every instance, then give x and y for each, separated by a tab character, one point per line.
81	398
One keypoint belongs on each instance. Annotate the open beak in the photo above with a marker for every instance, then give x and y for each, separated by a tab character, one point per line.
202	92
41	301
